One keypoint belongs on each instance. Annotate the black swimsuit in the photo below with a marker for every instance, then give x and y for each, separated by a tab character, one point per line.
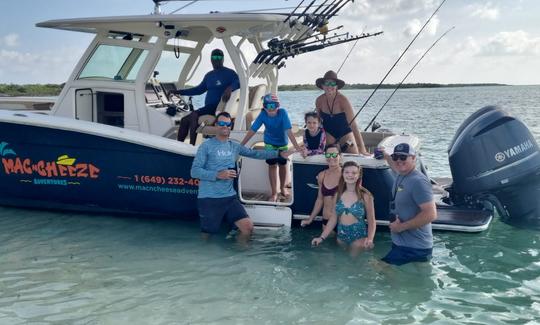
335	124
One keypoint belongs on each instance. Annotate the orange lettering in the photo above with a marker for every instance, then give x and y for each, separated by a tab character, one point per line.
72	170
18	166
41	168
27	166
8	165
82	170
94	171
63	170
51	169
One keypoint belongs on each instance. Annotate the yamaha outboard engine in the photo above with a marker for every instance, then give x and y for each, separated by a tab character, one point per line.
494	158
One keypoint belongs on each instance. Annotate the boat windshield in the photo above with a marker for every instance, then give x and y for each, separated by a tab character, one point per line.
114	63
169	66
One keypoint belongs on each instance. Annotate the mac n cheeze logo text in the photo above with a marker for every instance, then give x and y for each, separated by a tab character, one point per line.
25	166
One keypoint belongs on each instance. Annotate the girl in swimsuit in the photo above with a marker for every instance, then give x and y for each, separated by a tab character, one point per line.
337	113
328	181
353	205
314	135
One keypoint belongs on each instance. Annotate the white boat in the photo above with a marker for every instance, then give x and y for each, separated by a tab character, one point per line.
109	146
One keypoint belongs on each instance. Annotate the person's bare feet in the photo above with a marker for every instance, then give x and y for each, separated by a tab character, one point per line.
285	192
273	197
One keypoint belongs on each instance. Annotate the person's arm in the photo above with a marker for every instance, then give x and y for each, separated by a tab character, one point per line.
254	127
347	108
423	197
427	214
198	90
370	216
257	154
332	221
317	206
247	137
198	167
293	140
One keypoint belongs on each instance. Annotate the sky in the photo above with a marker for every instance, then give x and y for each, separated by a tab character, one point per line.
496	41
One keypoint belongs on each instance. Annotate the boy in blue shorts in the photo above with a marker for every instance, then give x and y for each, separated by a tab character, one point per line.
277	127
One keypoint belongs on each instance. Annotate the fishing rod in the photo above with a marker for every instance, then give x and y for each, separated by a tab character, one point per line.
323	18
404	78
305	49
311	48
395	63
292	12
345	60
275	46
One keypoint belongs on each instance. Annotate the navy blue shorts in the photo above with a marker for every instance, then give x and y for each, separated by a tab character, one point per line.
213	210
400	255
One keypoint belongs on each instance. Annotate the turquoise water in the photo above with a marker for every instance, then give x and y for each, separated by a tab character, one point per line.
63	268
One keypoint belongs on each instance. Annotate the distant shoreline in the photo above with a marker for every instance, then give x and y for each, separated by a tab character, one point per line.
390	86
54	89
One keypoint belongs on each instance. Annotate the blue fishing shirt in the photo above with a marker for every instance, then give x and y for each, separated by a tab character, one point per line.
214	84
275	127
214	156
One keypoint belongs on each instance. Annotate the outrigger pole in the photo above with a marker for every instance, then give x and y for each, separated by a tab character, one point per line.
403	80
395	63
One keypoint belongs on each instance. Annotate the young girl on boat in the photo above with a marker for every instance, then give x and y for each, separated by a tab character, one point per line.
277	127
353	205
314	135
328	181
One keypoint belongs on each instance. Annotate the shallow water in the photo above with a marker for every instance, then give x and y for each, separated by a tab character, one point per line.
63	268
82	269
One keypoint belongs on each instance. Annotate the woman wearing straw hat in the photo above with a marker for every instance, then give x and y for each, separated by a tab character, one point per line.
337	114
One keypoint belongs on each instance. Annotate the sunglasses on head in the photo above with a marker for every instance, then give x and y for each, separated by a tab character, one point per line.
223	123
270	106
330	83
216	57
399	157
331	154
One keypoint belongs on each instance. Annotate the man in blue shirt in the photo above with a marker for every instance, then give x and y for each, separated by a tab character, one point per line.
218	84
214	165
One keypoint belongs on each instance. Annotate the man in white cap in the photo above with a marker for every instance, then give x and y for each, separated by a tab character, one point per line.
412	210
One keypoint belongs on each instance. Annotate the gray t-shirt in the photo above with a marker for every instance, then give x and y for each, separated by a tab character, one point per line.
411	191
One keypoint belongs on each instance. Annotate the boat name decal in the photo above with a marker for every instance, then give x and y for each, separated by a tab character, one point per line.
49	168
514	151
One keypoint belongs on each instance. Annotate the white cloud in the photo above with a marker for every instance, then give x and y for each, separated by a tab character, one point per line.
380	9
10	40
44	67
414	26
484	11
512	43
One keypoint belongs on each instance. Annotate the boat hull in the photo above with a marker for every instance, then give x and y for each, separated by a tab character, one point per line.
100	174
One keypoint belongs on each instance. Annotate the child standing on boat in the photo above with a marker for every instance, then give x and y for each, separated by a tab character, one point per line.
353	205
314	135
277	127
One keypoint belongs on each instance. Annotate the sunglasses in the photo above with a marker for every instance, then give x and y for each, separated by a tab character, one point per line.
223	123
271	106
331	154
216	57
399	157
330	83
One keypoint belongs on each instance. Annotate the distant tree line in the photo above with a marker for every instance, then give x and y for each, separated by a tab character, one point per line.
54	89
386	86
30	90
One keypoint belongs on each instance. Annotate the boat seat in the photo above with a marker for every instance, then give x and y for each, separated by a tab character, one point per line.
231	107
256	94
372	139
